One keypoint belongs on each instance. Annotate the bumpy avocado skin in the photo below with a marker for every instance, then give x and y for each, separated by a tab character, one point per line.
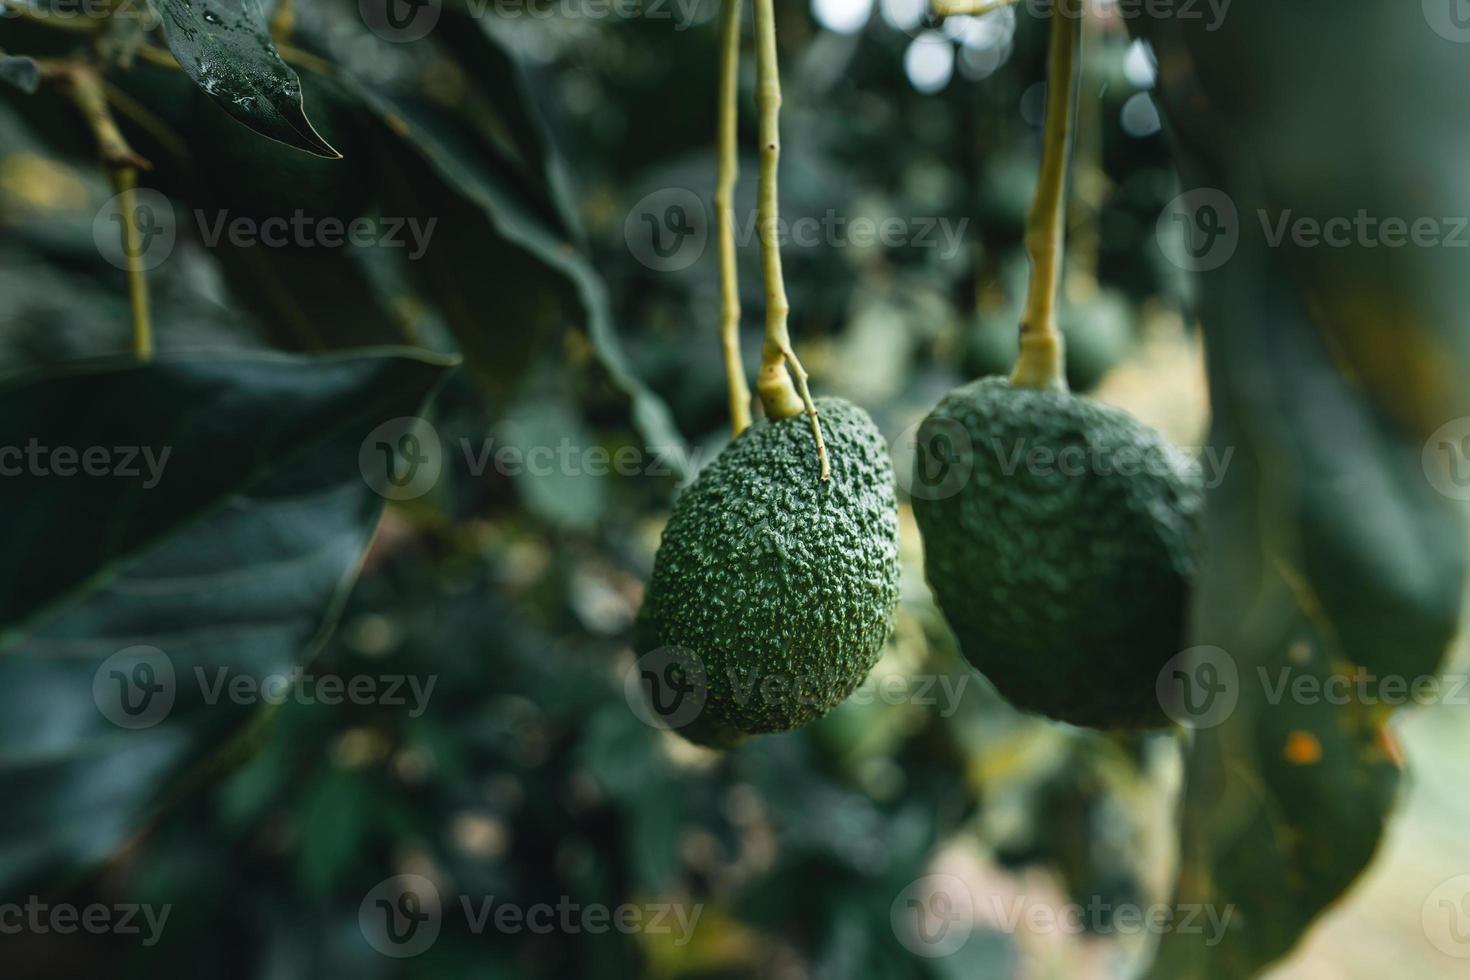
1066	589
783	586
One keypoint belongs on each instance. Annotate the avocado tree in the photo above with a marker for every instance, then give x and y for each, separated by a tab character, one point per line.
284	285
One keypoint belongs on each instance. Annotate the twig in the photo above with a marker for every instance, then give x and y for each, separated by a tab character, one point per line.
125	181
729	169
1041	361
83	84
974	8
778	395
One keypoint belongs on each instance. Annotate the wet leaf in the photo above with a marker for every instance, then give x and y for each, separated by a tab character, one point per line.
225	46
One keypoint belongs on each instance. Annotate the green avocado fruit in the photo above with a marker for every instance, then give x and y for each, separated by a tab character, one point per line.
781	586
1059	542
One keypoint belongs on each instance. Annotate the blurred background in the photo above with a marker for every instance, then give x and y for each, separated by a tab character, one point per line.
565	153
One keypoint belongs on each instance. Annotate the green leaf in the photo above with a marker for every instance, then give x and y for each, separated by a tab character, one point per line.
225	46
1329	549
440	169
229	560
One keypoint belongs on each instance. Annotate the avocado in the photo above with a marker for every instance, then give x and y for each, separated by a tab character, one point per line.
783	586
1062	555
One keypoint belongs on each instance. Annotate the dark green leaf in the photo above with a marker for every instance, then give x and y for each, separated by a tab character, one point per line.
1328	547
225	46
263	479
489	307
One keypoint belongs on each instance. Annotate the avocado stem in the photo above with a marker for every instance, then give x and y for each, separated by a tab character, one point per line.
125	180
1042	360
1090	185
82	83
778	395
729	169
971	8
